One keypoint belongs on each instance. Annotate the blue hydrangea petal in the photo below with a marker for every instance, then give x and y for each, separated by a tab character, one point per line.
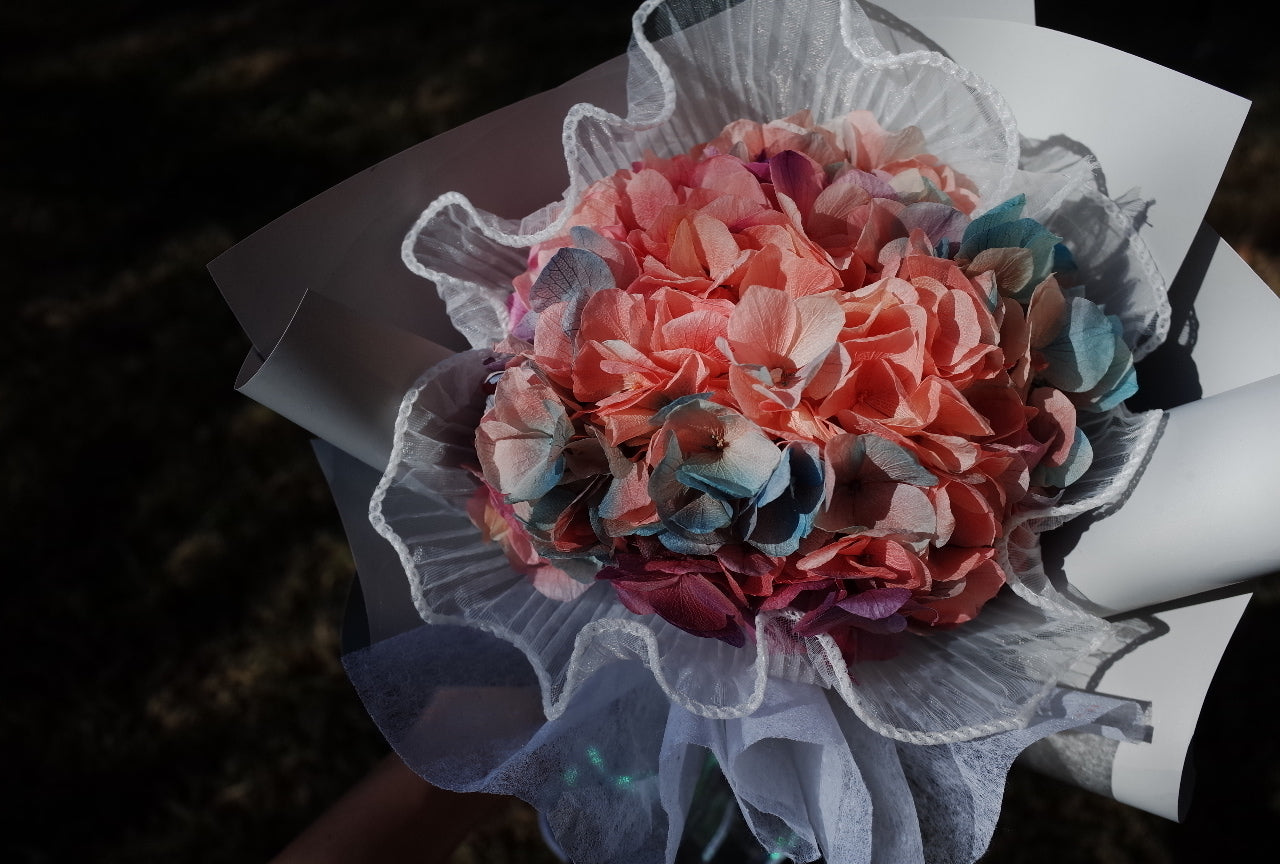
1008	211
571	276
1004	227
1082	352
1062	476
1120	381
702	515
776	525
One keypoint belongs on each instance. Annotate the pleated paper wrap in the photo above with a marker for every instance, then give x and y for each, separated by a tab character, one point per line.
898	760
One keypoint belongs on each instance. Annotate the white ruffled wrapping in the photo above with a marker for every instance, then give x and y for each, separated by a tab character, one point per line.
616	773
758	60
834	767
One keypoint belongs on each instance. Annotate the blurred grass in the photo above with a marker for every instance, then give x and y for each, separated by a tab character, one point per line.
175	570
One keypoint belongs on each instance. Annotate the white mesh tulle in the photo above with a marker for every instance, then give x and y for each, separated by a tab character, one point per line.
617	773
1114	265
756	60
693	71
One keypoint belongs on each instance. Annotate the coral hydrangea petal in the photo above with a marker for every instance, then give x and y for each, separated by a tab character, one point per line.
976	523
1012	268
614	314
648	193
556	584
763	326
727	176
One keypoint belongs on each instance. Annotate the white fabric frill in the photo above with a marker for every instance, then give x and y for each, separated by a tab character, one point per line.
601	725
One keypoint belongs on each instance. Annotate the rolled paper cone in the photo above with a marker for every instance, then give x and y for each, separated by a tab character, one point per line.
1156	775
1202	515
340	375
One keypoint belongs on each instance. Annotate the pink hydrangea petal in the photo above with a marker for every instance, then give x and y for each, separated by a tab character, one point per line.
727	176
762	328
614	314
648	192
553	582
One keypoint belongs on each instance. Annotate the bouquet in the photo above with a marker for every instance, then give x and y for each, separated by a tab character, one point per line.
778	413
750	459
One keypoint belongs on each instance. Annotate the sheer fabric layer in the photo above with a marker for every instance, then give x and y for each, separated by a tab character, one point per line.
618	771
755	60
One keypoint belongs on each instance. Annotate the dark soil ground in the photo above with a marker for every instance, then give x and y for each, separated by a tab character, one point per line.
174	569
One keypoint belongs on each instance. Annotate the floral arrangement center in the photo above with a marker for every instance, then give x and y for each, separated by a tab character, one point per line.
788	371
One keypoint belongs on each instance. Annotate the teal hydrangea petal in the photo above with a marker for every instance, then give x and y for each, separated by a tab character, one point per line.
1004	227
783	512
1118	383
1077	462
1082	352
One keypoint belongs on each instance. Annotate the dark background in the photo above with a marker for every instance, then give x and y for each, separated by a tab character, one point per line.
174	569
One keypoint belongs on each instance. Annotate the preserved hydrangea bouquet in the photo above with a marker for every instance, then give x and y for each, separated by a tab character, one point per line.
765	413
788	372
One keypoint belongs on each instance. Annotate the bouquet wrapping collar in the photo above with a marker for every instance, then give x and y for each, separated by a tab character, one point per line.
763	61
607	731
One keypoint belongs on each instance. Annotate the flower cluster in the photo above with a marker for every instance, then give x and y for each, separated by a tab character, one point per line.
788	370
